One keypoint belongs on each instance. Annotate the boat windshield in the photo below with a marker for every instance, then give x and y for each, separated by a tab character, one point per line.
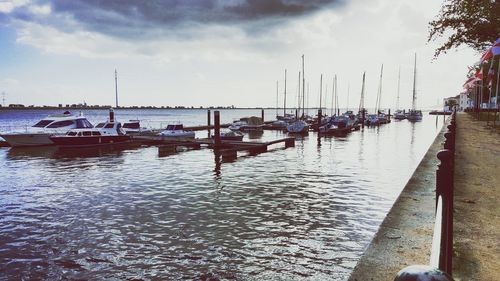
83	123
61	124
170	127
109	125
43	123
134	125
71	133
100	125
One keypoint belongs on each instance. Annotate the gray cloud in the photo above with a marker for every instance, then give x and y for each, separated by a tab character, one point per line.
136	19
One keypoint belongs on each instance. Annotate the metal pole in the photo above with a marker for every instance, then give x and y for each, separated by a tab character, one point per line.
116	88
284	100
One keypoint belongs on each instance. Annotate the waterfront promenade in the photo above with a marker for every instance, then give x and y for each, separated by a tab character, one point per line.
477	201
405	236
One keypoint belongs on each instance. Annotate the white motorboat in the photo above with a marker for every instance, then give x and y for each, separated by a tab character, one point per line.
106	133
133	127
39	133
176	131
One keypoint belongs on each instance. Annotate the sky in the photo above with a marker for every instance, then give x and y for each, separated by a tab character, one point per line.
223	52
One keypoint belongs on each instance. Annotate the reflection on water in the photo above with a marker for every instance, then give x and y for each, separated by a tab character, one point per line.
302	213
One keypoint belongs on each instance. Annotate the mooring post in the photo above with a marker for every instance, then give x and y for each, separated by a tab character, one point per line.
319	119
217	128
363	118
389	113
296	114
338	111
262	115
208	122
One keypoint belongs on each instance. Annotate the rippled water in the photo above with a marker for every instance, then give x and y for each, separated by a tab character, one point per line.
302	213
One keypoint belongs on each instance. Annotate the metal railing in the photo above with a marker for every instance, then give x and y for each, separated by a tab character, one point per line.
440	265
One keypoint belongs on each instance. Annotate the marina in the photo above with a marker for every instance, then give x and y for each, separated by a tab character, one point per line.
258	215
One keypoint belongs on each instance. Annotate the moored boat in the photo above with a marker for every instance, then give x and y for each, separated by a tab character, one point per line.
176	131
109	132
39	134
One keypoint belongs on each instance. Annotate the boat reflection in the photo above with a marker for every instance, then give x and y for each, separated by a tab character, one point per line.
57	152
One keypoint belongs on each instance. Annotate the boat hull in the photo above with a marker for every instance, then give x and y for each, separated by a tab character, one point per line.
24	140
89	140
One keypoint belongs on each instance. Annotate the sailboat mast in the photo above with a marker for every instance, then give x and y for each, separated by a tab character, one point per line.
347	104
332	110
298	99
277	94
379	92
308	98
337	105
414	83
303	87
320	90
399	84
284	100
362	100
116	88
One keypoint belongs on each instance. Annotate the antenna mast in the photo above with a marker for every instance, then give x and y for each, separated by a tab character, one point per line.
116	88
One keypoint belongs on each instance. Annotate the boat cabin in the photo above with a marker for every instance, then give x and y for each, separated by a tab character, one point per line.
177	127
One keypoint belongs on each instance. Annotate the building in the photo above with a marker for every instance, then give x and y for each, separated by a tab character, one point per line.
464	102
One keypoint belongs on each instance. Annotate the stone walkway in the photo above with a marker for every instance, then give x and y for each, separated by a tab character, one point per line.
477	201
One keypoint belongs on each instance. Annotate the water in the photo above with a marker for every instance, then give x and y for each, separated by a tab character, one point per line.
302	213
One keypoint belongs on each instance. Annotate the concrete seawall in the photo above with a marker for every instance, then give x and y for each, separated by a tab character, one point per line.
405	236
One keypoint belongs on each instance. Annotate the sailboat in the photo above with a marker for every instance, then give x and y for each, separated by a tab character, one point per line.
399	114
299	126
382	117
414	114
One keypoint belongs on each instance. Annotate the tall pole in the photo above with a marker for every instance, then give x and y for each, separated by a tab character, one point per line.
336	96
284	100
413	106
320	90
116	88
303	87
307	98
332	110
3	99
277	99
399	84
347	104
298	99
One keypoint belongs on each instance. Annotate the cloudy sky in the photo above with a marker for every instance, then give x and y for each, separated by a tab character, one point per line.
221	52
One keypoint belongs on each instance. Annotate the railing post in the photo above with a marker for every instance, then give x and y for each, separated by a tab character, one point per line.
444	188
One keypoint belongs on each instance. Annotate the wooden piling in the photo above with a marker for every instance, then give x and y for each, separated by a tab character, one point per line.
208	118
217	128
362	118
262	115
319	120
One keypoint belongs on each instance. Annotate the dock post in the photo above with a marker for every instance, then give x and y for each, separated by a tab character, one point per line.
362	118
319	119
296	114
262	115
338	111
208	122
217	128
389	113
